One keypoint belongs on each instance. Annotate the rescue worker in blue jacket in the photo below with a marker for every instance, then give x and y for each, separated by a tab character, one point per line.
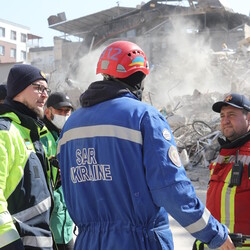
25	194
121	172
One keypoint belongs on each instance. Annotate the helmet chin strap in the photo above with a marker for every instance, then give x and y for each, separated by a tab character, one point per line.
136	90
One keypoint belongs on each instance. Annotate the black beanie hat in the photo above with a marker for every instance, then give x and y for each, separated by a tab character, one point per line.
21	76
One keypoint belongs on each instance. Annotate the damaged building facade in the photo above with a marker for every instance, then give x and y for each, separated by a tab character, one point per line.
188	47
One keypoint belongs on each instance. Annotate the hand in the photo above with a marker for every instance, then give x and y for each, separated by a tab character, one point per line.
228	245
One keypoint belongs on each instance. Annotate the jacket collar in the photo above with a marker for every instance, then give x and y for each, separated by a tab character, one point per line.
21	114
51	127
236	143
101	91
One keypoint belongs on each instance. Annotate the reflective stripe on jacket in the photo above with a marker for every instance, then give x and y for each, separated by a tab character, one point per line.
25	198
230	205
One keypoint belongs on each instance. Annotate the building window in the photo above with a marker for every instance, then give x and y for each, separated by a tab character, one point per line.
23	38
23	55
13	35
2	32
2	50
13	53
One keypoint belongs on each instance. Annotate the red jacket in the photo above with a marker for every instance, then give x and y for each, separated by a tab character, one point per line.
230	205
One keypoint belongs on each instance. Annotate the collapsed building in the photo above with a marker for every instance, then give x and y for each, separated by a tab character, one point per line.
155	19
197	53
202	46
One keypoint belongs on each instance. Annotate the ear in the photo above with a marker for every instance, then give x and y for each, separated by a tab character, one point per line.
248	118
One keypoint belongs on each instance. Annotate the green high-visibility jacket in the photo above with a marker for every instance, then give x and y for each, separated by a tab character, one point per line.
25	195
61	223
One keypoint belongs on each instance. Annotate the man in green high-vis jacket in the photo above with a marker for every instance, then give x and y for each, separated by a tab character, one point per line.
25	193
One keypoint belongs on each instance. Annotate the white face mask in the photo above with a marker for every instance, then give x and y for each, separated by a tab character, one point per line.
59	120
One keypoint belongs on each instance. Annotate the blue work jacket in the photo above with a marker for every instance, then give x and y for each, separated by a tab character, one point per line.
122	175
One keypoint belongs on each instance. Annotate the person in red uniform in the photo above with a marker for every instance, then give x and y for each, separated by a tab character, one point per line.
228	194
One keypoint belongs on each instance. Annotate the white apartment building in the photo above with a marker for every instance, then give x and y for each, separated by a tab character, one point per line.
13	42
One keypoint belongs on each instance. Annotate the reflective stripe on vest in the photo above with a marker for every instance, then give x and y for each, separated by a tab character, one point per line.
243	158
5	217
227	204
8	237
34	211
200	224
101	130
37	241
228	195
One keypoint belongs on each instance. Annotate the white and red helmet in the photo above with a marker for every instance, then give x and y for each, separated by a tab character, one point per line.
122	59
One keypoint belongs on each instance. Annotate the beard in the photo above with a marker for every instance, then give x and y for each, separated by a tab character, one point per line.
37	110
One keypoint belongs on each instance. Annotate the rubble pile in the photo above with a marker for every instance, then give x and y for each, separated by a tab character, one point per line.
231	73
184	110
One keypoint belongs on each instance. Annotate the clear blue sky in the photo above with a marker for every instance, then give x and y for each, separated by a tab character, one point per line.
34	14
